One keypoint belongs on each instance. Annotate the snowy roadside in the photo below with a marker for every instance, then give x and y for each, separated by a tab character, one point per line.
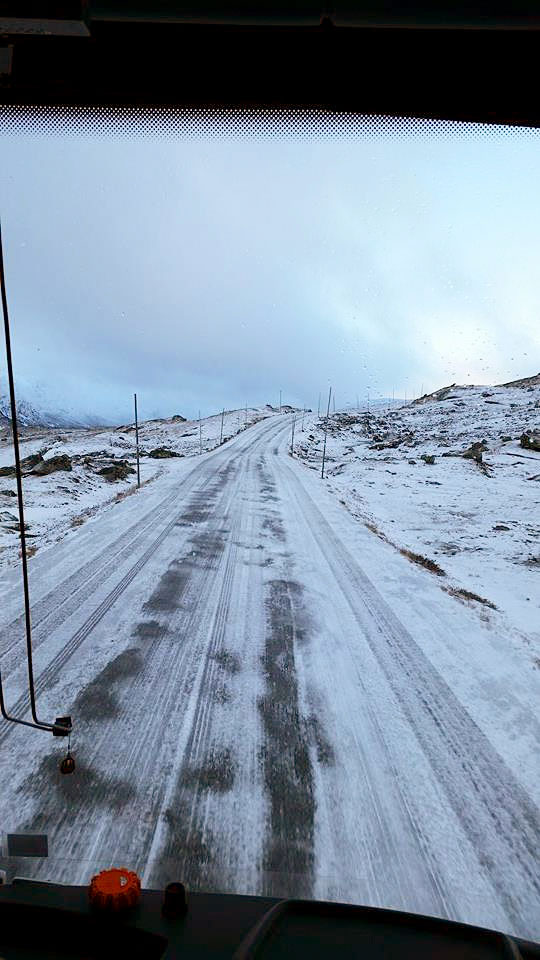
474	524
95	468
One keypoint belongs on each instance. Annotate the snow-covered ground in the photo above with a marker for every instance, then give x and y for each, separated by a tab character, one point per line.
269	698
479	523
58	503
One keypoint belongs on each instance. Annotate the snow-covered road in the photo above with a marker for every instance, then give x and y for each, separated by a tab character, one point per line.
268	699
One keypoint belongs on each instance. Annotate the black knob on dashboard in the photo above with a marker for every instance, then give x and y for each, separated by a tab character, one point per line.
175	900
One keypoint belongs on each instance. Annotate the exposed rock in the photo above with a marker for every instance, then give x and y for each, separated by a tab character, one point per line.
44	467
161	453
530	440
116	471
179	418
428	458
28	463
475	451
8	493
386	444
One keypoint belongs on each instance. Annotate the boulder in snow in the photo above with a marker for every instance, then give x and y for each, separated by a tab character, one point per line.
530	440
475	451
116	471
161	453
44	467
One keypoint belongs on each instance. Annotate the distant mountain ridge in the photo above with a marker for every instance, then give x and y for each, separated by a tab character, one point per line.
31	415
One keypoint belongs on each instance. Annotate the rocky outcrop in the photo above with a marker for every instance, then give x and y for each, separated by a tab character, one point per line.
530	440
475	451
44	467
116	471
161	453
27	465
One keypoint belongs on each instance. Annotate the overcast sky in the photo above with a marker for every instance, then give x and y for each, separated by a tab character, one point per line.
208	274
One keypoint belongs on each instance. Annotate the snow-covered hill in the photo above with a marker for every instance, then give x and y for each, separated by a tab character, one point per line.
472	521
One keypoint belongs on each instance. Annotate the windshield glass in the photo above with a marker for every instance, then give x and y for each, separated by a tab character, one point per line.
291	599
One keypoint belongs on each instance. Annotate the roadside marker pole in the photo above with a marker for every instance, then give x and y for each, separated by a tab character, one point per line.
221	434
303	415
292	436
280	401
137	440
200	433
319	408
325	433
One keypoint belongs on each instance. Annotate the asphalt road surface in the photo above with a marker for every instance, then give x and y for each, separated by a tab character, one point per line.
250	712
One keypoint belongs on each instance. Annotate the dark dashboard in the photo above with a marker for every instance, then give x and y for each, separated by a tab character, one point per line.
52	920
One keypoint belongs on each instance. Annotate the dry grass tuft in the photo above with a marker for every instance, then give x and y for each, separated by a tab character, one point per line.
374	529
468	595
423	562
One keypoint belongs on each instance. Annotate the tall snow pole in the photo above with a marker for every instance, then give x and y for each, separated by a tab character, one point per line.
334	402
246	414
137	440
319	407
292	436
280	401
325	432
392	396
357	404
221	434
200	433
303	415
